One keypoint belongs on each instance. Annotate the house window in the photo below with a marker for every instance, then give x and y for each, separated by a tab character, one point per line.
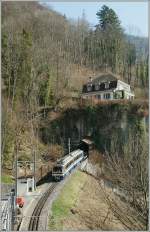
119	94
107	95
98	96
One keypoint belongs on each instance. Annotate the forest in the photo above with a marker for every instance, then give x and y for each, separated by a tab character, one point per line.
46	58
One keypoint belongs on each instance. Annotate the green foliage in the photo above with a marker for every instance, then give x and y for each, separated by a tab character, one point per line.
7	179
104	45
108	20
62	205
5	58
17	65
46	92
24	78
8	137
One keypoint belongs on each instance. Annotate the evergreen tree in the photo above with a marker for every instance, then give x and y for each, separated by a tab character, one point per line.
108	19
109	39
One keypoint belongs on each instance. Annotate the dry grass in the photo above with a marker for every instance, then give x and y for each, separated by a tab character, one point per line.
86	210
62	206
91	211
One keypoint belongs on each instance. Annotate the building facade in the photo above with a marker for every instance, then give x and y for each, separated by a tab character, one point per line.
106	87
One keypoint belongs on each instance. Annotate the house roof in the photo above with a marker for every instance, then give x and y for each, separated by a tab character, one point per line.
100	80
87	141
104	78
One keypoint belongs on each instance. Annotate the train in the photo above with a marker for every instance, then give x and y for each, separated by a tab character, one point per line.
66	164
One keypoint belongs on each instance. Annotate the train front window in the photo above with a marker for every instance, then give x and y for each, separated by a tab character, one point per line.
57	169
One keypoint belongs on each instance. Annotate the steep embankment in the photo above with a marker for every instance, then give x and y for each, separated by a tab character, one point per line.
81	205
110	124
121	130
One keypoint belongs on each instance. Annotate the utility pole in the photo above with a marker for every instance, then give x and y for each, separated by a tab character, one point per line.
34	168
14	199
41	171
12	223
25	170
69	145
16	173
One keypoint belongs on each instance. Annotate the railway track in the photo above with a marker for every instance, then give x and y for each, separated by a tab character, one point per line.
34	221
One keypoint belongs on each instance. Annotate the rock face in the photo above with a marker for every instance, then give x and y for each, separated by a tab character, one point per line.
90	168
106	124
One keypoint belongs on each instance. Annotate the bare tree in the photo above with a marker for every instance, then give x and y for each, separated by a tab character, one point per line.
128	174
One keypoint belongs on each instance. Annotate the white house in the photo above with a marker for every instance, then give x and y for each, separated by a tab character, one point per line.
107	86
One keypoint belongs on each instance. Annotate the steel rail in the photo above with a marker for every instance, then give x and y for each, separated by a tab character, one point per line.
34	221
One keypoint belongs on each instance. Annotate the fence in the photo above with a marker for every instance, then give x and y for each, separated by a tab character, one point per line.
7	210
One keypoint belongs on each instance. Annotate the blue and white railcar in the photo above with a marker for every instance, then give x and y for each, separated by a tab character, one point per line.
66	164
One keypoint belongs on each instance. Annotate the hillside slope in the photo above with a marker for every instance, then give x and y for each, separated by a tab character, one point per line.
44	63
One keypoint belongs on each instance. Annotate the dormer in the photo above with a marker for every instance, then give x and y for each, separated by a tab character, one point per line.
89	87
97	86
107	85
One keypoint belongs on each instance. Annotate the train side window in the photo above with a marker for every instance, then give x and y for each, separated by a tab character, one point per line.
57	169
73	160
